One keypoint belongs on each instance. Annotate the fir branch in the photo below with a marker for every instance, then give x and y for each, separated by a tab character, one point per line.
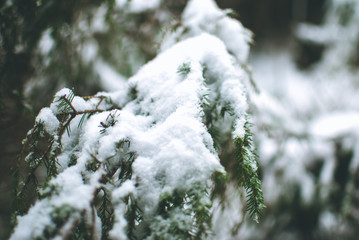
69	112
34	159
105	212
133	216
37	157
66	102
194	203
247	169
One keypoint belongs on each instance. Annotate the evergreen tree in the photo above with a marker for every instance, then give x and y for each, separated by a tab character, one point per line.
163	155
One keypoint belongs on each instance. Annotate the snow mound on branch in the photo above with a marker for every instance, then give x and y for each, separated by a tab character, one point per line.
204	16
49	119
164	124
173	146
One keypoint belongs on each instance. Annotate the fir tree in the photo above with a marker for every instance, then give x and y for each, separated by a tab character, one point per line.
150	160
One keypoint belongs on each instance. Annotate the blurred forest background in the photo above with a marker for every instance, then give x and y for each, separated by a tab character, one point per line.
304	59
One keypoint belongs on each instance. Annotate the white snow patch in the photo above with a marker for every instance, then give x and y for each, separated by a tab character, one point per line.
204	16
89	51
33	223
138	6
336	124
46	42
328	221
98	23
124	190
47	117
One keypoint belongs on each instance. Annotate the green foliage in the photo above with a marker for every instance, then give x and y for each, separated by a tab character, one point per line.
39	145
243	168
346	12
65	105
105	211
133	93
109	122
183	215
133	216
61	214
41	149
233	14
248	174
184	68
82	231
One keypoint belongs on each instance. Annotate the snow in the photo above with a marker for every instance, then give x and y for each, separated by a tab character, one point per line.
315	34
118	230
173	103
89	51
174	150
164	124
46	42
138	6
211	53
34	223
179	157
304	121
225	218
126	189
168	135
98	23
49	120
328	221
163	226
78	103
335	124
239	131
199	13
71	192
